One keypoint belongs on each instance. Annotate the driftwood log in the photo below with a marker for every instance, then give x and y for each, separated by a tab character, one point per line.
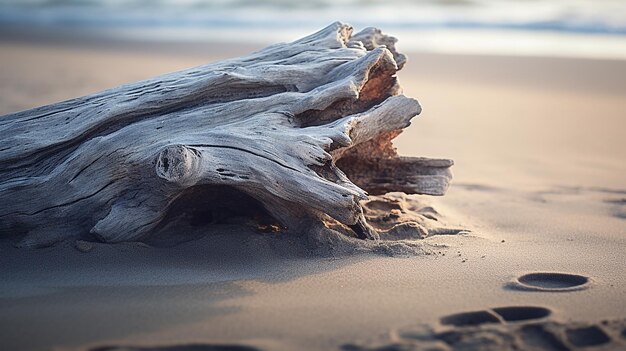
302	128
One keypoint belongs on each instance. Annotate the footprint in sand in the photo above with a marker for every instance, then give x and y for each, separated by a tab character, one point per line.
470	318
189	347
496	315
587	336
541	337
550	282
522	313
504	328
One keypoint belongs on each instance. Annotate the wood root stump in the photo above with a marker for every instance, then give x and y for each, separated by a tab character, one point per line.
300	132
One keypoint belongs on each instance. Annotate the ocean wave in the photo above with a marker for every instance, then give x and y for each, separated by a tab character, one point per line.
576	16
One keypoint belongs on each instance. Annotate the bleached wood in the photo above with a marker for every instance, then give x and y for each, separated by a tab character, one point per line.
274	125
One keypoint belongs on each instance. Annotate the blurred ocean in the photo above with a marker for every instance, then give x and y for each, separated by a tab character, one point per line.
585	28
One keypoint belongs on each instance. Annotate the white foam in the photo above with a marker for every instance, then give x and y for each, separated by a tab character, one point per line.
570	28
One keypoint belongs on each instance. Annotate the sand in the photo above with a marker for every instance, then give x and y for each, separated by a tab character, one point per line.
539	181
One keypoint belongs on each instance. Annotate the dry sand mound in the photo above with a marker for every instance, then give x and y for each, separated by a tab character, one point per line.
402	221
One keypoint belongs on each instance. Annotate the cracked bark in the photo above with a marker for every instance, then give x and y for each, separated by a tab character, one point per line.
281	125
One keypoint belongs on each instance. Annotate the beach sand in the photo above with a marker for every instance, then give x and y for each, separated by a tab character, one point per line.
539	154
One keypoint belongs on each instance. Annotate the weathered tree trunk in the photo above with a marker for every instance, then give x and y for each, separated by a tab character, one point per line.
276	125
